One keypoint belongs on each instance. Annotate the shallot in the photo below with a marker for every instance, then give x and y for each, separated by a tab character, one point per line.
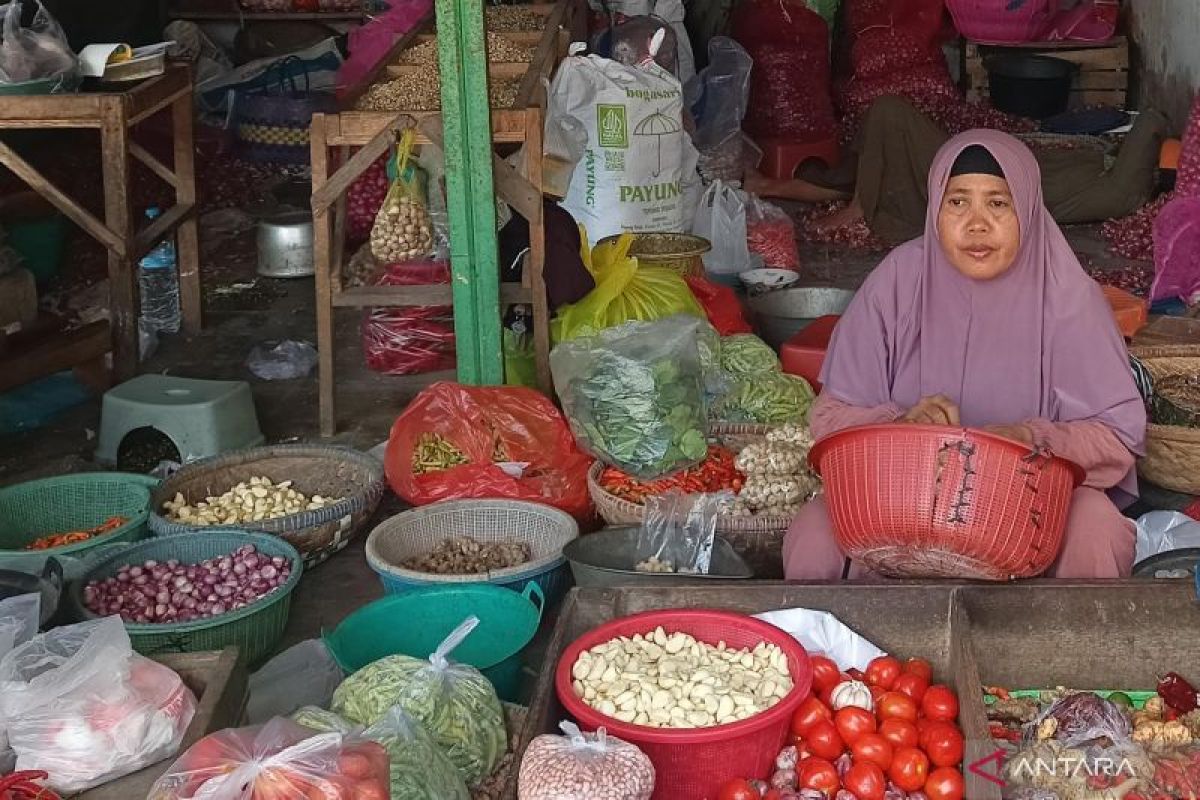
169	591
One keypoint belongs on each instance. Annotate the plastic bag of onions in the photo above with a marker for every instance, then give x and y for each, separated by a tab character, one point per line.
584	766
403	230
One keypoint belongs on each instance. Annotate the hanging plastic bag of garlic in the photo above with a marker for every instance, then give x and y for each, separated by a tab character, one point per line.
778	479
403	230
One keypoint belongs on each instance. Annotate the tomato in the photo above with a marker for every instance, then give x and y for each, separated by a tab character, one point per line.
817	773
737	789
899	732
896	705
940	702
883	671
825	673
865	781
809	712
944	783
872	748
910	769
943	743
912	685
876	693
918	666
824	740
853	722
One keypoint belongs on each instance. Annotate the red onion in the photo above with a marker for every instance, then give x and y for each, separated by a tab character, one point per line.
170	592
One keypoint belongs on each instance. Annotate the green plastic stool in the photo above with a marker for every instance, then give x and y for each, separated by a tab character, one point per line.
201	418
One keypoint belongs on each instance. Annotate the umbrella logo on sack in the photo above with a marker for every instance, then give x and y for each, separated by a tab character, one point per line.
657	125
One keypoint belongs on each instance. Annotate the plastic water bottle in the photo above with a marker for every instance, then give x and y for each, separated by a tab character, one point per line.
159	283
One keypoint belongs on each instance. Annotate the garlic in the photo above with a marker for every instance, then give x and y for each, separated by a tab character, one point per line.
250	501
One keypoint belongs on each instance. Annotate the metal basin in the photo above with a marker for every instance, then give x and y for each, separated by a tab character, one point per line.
285	245
781	314
607	558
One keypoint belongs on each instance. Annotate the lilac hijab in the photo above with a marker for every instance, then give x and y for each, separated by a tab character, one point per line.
1039	341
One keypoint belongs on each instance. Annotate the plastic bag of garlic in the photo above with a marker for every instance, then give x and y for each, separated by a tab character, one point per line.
584	766
403	229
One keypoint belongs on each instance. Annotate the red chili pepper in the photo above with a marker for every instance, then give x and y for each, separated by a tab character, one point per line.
999	692
1178	693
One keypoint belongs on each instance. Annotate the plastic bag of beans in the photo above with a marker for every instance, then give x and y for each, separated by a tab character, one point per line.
584	766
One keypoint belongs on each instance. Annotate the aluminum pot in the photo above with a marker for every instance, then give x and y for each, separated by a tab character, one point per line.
285	245
781	314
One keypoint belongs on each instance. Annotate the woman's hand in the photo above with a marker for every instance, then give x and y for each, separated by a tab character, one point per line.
1017	433
936	410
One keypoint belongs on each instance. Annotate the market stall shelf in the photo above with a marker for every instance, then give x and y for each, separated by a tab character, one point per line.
334	169
114	114
1102	79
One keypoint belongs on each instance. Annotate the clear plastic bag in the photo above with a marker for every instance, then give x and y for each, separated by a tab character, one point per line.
771	234
634	395
19	617
677	532
765	399
1164	531
403	230
457	706
281	361
303	675
584	766
36	52
279	760
1081	719
721	219
85	708
418	768
719	94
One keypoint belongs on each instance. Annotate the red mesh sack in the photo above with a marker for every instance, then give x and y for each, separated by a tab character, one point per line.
790	82
922	18
720	304
489	426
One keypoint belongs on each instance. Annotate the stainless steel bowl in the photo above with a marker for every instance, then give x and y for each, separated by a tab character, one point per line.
285	245
782	313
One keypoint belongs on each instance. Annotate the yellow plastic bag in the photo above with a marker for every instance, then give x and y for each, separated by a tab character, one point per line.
625	291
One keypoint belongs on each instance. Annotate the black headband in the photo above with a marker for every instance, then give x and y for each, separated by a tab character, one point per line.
976	160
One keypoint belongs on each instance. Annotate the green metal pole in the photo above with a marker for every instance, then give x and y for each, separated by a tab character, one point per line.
470	195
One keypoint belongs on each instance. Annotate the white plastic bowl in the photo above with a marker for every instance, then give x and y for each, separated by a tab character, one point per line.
764	279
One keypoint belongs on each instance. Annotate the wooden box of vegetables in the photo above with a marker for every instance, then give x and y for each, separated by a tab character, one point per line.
1116	636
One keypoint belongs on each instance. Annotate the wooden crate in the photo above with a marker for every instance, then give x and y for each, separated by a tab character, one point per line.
1103	77
1033	634
220	686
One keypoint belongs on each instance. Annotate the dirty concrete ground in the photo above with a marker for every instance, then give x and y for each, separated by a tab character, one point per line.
242	310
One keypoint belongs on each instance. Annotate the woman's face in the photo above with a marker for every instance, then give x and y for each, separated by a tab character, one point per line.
978	226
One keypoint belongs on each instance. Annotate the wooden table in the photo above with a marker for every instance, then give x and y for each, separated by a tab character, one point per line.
115	114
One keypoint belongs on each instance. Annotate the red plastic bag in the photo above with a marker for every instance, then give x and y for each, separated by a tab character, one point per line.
771	234
489	426
413	340
721	305
790	82
279	760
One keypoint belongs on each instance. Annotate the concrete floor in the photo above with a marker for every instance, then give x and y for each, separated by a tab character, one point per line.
243	310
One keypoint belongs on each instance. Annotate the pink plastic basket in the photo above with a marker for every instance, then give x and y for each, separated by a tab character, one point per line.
1002	21
923	501
691	764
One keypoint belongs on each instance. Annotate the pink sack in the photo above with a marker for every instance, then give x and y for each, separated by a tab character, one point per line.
1187	178
1090	21
1177	250
371	42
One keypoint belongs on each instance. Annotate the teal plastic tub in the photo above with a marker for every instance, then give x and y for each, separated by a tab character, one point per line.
416	622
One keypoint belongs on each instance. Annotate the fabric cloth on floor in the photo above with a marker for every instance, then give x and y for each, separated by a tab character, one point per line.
896	147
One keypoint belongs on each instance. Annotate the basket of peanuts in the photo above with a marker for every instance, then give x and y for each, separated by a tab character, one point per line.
316	497
706	694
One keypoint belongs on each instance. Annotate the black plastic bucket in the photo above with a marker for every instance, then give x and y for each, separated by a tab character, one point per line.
1029	85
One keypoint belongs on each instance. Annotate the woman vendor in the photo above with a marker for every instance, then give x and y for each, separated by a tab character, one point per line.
988	321
892	154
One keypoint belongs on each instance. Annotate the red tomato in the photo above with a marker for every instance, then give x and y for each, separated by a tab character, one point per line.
912	685
810	711
899	732
943	743
876	693
817	773
944	783
825	673
853	722
872	748
919	666
940	703
737	789
883	671
824	740
865	781
910	769
896	705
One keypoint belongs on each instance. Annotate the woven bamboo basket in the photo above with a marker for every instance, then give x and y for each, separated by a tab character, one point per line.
758	540
1172	458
